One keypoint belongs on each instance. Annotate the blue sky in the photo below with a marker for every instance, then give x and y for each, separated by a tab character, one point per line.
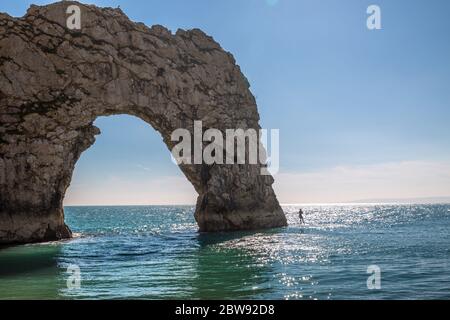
352	105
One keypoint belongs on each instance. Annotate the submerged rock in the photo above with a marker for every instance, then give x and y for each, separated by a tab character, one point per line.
54	83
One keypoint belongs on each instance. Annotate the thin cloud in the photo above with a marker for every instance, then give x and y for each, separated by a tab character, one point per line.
409	179
143	167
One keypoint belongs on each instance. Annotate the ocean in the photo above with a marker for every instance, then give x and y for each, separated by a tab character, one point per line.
155	252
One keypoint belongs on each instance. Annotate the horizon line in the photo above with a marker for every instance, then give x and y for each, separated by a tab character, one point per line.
281	204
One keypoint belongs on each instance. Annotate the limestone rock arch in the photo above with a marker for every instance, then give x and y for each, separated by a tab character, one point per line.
54	83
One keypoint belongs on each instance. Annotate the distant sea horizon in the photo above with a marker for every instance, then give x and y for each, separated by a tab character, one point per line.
375	201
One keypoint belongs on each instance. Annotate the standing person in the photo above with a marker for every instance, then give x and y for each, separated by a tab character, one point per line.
300	216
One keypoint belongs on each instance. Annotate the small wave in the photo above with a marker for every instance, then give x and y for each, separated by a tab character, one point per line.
126	254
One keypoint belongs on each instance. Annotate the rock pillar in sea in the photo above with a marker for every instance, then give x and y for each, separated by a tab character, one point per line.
55	80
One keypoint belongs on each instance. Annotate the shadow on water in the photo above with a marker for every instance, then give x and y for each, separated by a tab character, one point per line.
29	272
27	259
226	271
206	238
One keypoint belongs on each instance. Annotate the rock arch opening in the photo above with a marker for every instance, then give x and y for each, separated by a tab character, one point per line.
54	83
127	165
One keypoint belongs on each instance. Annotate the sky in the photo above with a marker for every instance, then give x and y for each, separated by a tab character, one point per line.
363	114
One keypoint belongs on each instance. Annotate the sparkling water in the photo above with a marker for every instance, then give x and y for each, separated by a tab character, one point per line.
155	252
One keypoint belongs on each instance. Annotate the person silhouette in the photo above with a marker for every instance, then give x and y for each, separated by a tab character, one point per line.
300	216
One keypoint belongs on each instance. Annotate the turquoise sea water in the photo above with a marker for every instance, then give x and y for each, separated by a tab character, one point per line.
156	253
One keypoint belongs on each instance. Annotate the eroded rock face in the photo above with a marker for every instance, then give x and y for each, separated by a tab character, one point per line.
54	83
